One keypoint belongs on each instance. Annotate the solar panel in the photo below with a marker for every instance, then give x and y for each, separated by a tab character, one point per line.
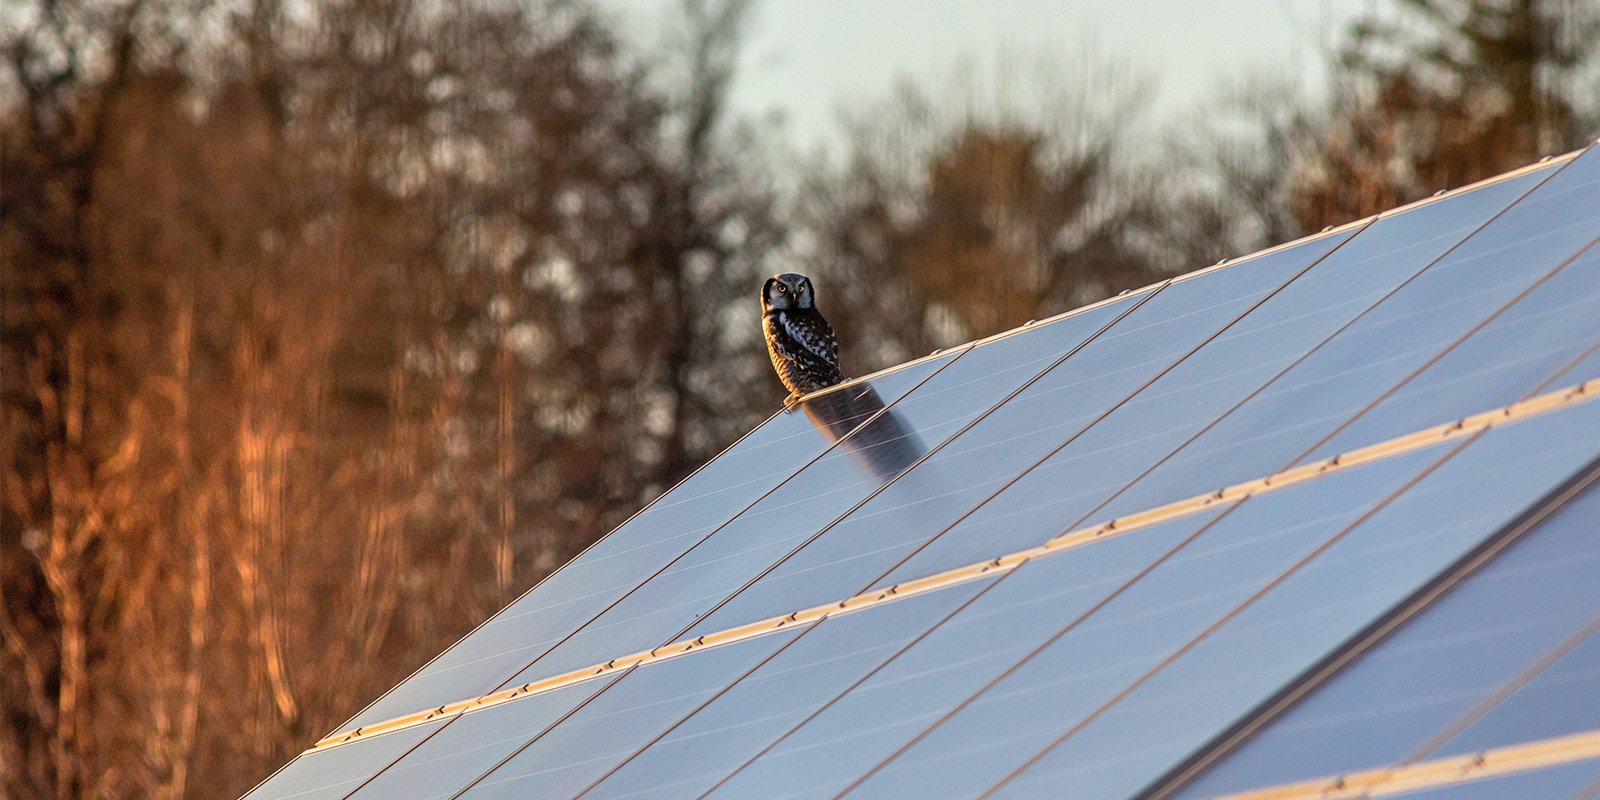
1530	347
562	761
1101	552
1313	611
626	724
662	531
334	772
1093	381
1556	699
1077	482
1001	718
692	587
476	743
1579	781
1588	364
690	756
1379	350
1447	668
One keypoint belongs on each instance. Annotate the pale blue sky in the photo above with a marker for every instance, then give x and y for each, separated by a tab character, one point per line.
805	57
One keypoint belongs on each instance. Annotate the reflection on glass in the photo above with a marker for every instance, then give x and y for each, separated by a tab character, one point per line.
884	445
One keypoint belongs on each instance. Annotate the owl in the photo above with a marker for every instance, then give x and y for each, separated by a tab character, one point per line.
801	343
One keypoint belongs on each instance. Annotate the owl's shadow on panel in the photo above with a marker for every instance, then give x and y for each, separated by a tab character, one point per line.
884	444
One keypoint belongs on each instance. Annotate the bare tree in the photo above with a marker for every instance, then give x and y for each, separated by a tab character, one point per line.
713	227
1224	188
962	212
369	314
1435	94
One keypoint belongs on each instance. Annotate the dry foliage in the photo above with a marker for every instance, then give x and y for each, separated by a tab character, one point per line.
324	337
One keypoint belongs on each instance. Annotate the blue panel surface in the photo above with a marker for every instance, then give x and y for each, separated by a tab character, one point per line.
475	743
335	771
823	661
857	728
1069	489
856	553
588	584
1517	354
1390	704
1263	646
1086	662
1560	700
1382	348
562	761
1586	367
665	606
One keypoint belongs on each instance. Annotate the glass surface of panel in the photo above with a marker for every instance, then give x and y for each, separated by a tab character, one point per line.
1515	355
855	553
1560	782
1085	663
1308	614
821	663
1583	368
472	744
1562	699
1382	709
617	721
662	608
585	586
1388	343
867	723
335	771
1067	490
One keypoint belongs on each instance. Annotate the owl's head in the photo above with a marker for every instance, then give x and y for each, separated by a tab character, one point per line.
789	290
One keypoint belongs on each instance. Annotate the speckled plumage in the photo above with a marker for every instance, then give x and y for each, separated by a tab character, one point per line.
802	345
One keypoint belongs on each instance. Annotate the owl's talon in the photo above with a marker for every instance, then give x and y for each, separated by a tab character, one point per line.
790	402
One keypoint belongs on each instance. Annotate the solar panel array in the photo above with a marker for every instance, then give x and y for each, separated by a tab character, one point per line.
1316	520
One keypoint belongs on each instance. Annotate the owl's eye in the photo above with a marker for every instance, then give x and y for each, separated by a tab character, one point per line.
782	289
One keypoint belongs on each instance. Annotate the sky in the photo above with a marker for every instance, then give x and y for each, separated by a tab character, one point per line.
804	58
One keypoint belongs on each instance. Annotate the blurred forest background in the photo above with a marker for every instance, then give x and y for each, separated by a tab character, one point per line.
327	328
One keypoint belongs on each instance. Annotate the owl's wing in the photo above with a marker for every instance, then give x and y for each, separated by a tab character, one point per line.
813	333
